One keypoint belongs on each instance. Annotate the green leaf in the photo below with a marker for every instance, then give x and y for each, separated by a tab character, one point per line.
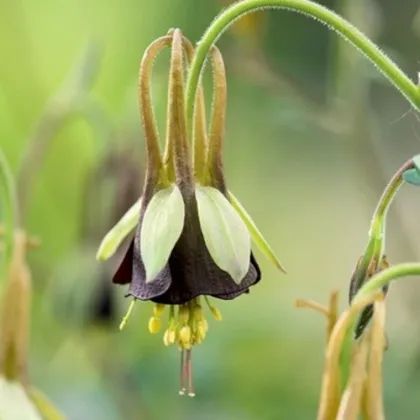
45	406
412	176
161	228
225	234
15	404
119	232
256	235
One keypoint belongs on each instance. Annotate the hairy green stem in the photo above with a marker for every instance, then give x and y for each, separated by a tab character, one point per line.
311	9
386	199
373	252
375	246
385	277
8	210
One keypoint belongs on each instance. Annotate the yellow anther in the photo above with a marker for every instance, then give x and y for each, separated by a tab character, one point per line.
197	340
169	337
185	336
216	313
154	325
205	324
127	315
201	330
158	309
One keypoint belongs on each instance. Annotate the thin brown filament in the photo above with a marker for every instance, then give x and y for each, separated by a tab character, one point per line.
182	373
310	304
330	312
333	313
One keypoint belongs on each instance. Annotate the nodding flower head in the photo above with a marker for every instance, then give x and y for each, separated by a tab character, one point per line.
192	237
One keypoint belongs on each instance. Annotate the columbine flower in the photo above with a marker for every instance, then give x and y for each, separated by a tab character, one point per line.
192	237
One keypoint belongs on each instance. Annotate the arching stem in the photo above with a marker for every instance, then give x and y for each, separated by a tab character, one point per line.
311	9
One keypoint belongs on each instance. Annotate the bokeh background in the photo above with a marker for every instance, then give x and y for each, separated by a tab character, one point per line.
313	134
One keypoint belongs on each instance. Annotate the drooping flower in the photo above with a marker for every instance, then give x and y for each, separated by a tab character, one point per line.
193	238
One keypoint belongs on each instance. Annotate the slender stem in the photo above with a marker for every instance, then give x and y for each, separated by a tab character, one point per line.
8	209
375	246
335	22
385	277
386	199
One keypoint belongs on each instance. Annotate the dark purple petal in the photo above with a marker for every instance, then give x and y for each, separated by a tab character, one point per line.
138	287
194	272
124	272
253	277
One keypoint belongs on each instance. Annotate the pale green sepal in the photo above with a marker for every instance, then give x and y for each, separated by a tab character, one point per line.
45	406
161	228
15	404
119	232
416	160
225	234
412	176
256	235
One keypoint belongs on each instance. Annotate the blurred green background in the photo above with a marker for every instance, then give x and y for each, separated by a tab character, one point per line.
313	135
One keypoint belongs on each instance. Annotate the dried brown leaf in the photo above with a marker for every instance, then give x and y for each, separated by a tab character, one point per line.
330	391
15	307
373	390
352	397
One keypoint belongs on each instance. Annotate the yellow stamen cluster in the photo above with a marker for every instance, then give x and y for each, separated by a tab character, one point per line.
187	325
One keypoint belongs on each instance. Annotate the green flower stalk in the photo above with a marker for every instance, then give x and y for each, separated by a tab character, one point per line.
373	259
192	240
311	9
